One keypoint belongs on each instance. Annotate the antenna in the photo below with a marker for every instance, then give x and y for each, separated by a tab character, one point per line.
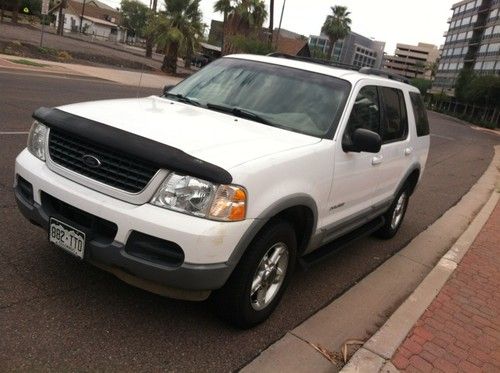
140	80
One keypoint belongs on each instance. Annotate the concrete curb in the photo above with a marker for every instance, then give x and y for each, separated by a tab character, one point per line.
364	308
125	77
376	353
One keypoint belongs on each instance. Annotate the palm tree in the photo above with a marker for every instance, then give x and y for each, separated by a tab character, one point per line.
337	26
224	7
243	17
180	24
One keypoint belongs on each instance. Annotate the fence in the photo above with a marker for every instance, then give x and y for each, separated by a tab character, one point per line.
481	115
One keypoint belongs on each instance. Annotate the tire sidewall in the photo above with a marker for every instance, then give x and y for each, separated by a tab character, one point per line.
240	283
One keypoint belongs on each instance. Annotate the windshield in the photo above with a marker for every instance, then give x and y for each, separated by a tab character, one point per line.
292	99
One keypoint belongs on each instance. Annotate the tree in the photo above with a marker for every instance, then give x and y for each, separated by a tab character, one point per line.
15	10
337	26
224	7
422	84
134	16
464	79
180	24
244	18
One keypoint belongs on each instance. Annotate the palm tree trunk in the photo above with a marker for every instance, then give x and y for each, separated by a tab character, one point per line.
60	18
224	25
170	60
330	49
15	11
149	39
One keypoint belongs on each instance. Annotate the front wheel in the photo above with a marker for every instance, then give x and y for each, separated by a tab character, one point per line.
394	216
259	280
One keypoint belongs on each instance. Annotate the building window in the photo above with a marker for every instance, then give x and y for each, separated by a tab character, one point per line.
489	65
478	65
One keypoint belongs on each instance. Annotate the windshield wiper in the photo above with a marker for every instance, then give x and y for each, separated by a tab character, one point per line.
182	98
239	112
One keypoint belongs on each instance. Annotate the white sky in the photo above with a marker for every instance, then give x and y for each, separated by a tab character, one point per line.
392	21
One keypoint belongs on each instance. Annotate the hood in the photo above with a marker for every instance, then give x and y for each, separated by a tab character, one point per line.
218	138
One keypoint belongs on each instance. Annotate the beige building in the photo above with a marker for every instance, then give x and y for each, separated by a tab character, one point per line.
412	61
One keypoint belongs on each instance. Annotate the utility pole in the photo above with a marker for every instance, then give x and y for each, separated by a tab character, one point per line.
271	21
81	17
281	19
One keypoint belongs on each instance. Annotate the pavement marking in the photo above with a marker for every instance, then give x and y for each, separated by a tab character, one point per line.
443	137
15	133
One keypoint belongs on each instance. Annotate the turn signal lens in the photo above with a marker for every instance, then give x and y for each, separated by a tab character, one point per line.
229	203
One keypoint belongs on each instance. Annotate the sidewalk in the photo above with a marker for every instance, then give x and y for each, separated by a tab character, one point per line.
126	77
384	306
460	330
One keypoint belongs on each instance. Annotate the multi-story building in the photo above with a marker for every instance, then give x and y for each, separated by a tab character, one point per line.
412	61
354	49
472	42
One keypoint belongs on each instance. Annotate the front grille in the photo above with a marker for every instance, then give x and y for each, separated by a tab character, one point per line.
117	169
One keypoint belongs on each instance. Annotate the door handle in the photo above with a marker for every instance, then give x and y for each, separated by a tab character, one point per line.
408	151
377	160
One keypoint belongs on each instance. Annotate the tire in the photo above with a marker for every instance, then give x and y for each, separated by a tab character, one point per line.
236	302
394	216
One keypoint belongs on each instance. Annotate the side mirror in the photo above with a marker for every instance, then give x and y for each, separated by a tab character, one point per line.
363	140
167	88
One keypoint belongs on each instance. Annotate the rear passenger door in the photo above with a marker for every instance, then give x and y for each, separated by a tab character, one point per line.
396	150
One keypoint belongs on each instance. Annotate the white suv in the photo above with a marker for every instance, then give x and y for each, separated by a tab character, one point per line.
229	179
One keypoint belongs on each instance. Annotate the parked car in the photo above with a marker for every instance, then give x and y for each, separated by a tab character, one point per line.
226	182
200	60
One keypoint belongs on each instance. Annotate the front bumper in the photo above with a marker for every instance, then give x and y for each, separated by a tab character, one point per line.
207	245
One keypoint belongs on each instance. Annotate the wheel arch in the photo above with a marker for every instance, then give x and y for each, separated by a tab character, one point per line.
410	179
300	210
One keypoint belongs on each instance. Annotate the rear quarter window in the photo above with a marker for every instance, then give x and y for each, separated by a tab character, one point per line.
420	113
395	122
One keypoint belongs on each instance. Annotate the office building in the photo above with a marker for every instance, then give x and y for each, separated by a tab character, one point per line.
412	61
354	49
472	42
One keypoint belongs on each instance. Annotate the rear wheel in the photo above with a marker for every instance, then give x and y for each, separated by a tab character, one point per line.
257	283
394	216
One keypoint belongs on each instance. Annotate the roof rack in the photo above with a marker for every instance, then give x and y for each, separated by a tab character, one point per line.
362	70
384	73
314	60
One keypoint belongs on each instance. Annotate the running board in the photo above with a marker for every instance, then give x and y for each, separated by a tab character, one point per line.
330	248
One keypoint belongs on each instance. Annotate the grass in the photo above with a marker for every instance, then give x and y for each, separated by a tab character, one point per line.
22	61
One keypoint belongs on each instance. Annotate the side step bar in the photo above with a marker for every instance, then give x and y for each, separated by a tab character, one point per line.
328	249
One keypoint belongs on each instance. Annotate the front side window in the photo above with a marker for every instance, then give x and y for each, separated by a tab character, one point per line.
365	112
395	120
292	99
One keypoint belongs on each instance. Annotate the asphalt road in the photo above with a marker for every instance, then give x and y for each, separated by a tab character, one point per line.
60	314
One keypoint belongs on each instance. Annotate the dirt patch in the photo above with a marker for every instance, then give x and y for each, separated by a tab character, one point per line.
23	49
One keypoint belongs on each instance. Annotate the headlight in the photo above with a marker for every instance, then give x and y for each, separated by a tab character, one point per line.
201	198
37	140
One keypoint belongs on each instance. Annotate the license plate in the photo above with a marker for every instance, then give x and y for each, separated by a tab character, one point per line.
66	237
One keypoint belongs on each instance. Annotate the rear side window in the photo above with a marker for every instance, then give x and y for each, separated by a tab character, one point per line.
395	120
420	114
365	112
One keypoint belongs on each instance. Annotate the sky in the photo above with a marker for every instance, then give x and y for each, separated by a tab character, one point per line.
392	21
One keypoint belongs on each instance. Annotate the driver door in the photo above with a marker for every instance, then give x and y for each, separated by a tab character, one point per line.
356	176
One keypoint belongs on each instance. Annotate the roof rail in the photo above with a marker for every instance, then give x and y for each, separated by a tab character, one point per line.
384	73
313	60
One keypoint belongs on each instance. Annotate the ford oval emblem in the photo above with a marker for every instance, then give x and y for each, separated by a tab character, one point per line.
91	161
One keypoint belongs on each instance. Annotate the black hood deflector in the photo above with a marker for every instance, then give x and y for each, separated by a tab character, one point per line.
161	155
